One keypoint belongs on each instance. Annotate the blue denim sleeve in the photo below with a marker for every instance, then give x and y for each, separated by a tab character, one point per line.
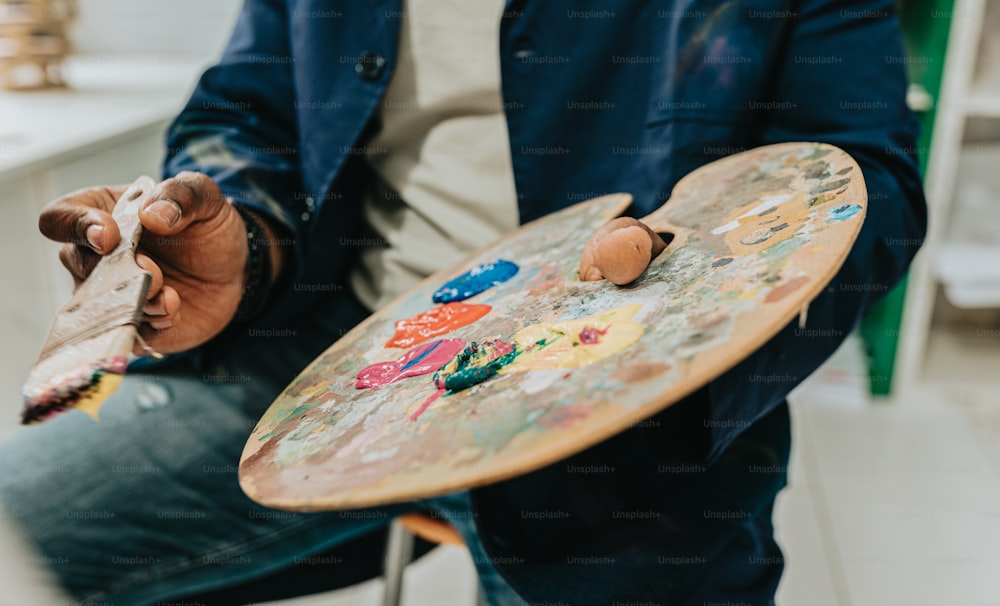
239	125
842	81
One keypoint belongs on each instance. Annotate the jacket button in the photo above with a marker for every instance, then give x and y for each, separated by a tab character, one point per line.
370	66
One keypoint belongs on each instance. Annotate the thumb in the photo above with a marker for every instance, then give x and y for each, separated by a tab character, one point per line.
181	200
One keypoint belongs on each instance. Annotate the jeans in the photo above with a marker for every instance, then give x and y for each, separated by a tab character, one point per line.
144	505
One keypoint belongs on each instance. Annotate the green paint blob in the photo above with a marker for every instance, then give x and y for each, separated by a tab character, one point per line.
467	377
475	364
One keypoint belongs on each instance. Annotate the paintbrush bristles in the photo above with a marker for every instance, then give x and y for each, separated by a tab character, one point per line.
58	382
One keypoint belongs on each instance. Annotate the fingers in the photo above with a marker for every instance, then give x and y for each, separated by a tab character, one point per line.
163	310
162	302
181	200
83	218
161	315
79	260
588	269
623	254
619	251
154	271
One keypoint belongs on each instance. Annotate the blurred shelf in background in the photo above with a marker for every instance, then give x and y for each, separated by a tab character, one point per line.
952	315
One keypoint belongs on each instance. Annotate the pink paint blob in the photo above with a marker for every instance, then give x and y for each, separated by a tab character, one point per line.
591	336
420	360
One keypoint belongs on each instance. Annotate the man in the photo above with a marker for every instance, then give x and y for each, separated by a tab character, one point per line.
361	148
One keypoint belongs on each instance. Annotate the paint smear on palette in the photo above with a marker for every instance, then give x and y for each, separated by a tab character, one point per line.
549	346
430	400
421	360
780	292
845	211
637	373
438	321
475	281
564	417
473	365
575	343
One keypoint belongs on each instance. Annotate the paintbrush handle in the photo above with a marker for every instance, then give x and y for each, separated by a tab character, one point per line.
115	291
126	212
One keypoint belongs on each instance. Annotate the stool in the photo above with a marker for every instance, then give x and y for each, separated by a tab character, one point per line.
395	551
399	549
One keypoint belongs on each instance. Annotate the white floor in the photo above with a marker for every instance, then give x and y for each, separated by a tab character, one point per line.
889	503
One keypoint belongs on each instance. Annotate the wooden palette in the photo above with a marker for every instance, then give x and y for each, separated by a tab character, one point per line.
757	236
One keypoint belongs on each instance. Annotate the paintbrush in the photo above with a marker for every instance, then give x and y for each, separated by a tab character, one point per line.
85	354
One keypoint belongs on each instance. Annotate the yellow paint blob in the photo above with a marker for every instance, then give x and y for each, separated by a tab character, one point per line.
567	345
96	395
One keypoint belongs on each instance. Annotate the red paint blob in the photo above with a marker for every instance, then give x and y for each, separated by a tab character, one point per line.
435	322
420	360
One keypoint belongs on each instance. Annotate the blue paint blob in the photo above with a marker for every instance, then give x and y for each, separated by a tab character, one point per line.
845	211
475	281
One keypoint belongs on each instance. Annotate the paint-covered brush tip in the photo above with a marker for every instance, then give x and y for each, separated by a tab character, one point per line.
84	388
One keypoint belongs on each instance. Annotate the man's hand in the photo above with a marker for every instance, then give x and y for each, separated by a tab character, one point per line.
194	243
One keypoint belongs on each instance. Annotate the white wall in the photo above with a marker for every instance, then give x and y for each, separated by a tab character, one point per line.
184	27
152	32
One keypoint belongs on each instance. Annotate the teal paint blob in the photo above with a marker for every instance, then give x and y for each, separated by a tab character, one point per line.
845	211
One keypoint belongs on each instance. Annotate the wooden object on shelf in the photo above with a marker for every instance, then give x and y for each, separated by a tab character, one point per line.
757	236
33	42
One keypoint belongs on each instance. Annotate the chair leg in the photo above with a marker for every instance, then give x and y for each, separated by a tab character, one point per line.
398	553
